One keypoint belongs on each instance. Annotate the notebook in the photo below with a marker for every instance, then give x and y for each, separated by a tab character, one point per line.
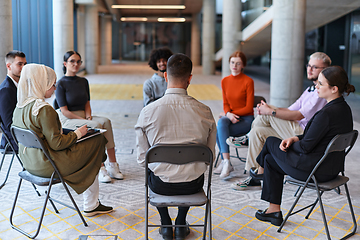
90	133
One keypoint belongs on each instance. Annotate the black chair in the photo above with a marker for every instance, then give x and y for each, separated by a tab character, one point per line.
9	149
341	142
179	154
30	139
257	100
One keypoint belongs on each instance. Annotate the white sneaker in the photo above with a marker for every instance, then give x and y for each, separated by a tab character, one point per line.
238	142
103	175
219	168
227	168
114	171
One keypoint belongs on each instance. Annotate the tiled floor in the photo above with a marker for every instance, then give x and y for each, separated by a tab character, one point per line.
232	211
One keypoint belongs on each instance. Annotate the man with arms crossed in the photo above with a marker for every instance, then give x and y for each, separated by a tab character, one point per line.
155	87
14	60
283	122
175	118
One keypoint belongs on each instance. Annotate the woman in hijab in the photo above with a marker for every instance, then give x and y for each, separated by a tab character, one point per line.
78	163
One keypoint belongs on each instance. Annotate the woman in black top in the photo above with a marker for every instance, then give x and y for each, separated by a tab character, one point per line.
73	98
297	156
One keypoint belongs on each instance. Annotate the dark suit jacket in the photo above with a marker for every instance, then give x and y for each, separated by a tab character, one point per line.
8	100
334	118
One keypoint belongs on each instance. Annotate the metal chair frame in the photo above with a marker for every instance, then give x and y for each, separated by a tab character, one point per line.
179	154
30	139
9	149
341	142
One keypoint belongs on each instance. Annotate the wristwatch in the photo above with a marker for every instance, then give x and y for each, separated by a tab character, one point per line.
273	113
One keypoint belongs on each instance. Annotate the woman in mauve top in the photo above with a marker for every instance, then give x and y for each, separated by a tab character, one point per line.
73	98
238	100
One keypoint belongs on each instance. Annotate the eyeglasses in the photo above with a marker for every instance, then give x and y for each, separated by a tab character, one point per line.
74	61
313	67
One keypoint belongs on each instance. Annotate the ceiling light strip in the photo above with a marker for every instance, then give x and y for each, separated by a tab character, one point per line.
167	7
171	19
133	19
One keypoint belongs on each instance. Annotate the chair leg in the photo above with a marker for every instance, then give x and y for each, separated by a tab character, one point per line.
74	203
146	217
238	156
41	216
210	220
52	204
206	220
291	209
217	158
313	206
8	171
352	214
323	213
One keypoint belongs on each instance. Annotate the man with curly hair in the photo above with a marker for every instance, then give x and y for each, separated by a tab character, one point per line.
155	87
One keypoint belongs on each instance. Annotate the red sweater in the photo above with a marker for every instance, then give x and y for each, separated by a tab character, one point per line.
238	94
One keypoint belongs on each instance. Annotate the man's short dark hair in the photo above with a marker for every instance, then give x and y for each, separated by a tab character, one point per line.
12	54
179	66
158	54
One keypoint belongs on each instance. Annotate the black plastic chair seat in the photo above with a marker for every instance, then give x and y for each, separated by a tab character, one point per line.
325	186
40	181
197	199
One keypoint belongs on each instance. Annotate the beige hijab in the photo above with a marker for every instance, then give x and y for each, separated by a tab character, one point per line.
35	80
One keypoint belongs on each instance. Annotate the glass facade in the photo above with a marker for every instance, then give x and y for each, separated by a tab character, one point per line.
138	39
354	51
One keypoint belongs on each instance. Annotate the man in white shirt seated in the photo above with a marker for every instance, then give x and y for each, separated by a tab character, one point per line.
175	118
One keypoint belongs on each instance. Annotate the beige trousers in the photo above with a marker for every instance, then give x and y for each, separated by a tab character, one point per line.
265	126
96	122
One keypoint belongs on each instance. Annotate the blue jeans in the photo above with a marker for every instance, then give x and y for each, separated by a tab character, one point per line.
226	128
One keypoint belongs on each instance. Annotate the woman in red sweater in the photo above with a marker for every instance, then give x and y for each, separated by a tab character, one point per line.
238	100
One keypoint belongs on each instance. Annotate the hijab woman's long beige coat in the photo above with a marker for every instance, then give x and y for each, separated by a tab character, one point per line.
78	163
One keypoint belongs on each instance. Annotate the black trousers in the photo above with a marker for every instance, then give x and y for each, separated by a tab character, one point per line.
171	189
273	160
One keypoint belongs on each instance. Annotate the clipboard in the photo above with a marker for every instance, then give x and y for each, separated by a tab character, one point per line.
90	133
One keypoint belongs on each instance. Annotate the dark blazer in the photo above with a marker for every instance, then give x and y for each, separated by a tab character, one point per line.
8	100
334	118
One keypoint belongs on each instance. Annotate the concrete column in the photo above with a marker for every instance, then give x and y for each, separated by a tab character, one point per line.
231	27
287	51
91	38
208	39
195	40
63	32
6	33
106	35
80	13
142	42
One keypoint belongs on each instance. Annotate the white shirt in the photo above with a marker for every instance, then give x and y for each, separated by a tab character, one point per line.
175	118
16	83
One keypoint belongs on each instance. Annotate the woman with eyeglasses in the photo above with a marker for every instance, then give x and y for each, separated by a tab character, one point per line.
238	101
73	98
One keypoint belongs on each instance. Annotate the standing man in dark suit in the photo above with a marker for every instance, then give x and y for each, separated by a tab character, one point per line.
14	60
